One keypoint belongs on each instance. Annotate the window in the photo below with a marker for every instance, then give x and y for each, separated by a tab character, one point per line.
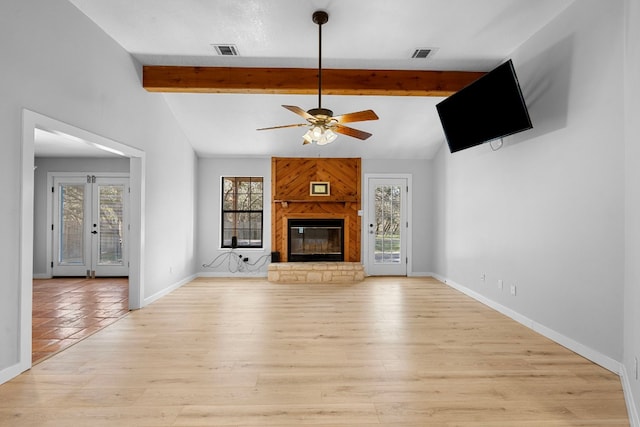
242	201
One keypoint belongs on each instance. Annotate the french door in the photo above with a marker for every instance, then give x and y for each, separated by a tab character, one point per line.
386	226
90	226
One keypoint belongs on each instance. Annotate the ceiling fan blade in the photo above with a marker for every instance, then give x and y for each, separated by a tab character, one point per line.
359	116
297	125
345	130
299	111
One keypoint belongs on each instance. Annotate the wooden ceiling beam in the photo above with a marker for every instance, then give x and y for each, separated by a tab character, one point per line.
304	81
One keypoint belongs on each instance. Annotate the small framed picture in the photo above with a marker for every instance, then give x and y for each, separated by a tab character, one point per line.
318	188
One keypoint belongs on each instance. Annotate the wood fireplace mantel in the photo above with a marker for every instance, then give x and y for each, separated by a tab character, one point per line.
291	199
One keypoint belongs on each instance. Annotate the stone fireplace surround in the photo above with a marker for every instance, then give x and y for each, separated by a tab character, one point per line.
315	272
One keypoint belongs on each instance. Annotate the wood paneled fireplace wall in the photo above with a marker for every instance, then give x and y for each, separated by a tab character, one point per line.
294	197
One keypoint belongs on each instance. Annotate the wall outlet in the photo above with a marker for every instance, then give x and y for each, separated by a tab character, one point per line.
513	290
500	284
483	277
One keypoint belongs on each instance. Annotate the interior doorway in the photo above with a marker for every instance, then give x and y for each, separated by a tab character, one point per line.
30	124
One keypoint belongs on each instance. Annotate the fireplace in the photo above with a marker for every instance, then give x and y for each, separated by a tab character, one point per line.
315	240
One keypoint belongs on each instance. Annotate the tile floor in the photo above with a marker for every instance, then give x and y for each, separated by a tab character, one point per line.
66	310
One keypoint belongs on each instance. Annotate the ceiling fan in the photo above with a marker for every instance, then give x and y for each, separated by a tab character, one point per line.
322	124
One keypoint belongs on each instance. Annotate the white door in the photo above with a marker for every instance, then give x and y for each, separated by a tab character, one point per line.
386	227
90	226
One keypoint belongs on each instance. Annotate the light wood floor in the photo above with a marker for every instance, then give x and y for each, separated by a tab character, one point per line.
393	351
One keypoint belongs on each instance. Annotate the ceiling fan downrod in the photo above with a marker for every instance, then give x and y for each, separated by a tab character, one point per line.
320	17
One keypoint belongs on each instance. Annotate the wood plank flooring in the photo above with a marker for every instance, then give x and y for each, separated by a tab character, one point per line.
387	351
69	309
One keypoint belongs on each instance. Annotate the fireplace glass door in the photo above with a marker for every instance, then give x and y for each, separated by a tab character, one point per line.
315	240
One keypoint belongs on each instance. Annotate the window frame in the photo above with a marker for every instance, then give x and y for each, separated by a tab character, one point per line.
224	212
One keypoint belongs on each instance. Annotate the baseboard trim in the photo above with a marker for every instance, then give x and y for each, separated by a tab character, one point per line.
419	274
632	410
167	290
42	276
575	346
12	371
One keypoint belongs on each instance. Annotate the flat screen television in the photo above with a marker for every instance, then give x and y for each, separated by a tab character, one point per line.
491	107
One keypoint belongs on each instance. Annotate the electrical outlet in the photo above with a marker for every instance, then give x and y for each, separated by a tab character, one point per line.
483	277
500	284
513	290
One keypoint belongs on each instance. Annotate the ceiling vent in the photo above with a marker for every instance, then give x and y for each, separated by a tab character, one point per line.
226	49
422	53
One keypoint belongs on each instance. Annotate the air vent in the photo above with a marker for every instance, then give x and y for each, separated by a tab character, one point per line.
226	49
421	53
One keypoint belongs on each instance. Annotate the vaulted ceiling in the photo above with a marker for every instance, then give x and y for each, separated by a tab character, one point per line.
362	36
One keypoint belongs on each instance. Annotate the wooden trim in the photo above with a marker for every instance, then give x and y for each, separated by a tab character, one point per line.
304	81
274	217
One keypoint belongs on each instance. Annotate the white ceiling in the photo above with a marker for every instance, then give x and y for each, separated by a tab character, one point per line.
468	35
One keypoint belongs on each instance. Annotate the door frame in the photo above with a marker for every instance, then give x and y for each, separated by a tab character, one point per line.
367	216
30	121
51	203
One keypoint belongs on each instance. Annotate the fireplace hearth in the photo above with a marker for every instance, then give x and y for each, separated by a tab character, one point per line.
315	239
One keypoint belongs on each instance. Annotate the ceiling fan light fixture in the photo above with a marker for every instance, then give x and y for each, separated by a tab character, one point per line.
307	138
330	136
319	135
317	132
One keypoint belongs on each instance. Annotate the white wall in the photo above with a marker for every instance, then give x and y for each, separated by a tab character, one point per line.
421	226
56	62
632	196
546	212
210	171
41	192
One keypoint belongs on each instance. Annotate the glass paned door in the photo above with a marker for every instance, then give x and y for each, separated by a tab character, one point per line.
110	226
72	224
386	229
89	226
70	228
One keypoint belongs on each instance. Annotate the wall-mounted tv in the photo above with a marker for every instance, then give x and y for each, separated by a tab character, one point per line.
491	107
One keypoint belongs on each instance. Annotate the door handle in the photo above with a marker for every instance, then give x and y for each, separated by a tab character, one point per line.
94	232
